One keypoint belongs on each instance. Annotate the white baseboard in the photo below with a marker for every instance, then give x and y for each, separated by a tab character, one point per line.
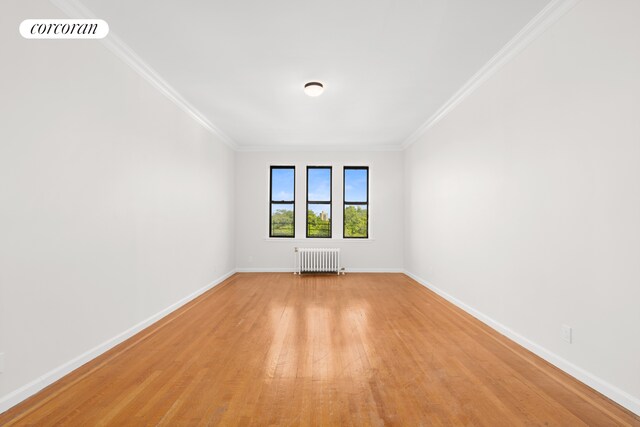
623	398
612	392
290	270
13	398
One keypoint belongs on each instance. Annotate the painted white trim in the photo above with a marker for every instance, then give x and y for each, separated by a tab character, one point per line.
555	10
316	240
374	270
623	398
290	270
612	392
13	398
75	9
321	148
543	20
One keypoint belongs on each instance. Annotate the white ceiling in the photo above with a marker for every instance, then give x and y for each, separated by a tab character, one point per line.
387	65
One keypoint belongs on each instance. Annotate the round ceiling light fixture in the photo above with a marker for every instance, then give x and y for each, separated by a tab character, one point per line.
313	88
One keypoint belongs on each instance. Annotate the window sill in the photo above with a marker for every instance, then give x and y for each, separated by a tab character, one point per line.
315	239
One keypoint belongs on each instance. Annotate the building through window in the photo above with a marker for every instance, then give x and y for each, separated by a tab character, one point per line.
319	201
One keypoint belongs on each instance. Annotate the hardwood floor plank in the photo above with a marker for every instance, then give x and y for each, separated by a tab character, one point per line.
279	349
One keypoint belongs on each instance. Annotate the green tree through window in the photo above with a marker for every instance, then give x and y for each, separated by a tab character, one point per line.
319	201
356	202
282	201
355	221
282	223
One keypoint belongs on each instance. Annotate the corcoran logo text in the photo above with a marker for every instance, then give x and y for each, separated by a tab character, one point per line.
64	28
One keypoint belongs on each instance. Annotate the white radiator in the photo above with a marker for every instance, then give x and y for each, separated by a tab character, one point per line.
317	260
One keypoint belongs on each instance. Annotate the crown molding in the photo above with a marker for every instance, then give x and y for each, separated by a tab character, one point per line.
538	25
330	147
75	9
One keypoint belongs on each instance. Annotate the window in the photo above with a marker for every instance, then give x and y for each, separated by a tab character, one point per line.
282	201
356	202
319	201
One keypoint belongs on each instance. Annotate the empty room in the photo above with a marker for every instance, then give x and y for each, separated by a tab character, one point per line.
346	213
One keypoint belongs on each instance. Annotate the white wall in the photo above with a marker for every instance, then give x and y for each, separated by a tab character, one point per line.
112	200
256	252
523	202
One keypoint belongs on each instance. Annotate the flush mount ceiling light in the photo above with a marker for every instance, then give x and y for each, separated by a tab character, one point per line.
313	88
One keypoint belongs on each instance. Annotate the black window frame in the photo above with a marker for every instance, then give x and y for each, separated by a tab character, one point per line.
281	202
320	202
345	202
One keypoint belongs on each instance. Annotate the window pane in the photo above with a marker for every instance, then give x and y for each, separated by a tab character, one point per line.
282	184
319	220
355	220
319	184
355	185
282	220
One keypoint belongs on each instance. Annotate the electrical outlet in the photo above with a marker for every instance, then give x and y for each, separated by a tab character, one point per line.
566	333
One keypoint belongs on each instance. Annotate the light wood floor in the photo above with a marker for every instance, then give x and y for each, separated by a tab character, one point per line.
278	349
